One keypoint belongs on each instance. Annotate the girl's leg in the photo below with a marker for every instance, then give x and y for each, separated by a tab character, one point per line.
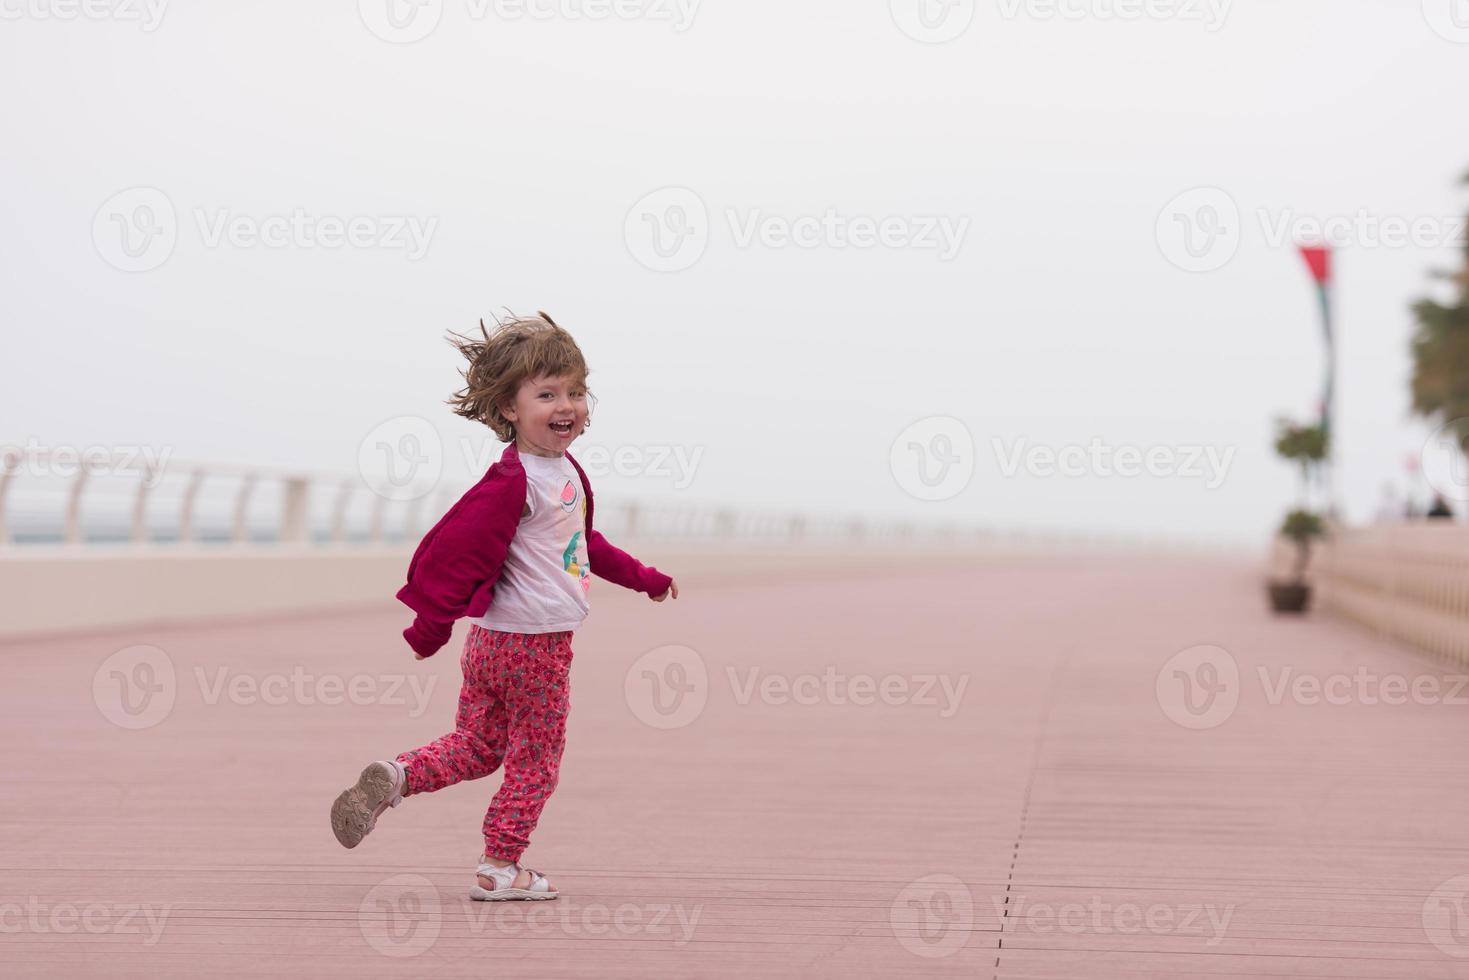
476	747
535	672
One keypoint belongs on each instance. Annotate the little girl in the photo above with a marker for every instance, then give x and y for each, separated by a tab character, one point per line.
515	555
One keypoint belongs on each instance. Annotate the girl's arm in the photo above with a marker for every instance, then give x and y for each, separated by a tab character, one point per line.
617	566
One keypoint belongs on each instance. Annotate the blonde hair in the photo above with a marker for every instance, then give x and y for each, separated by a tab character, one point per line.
519	348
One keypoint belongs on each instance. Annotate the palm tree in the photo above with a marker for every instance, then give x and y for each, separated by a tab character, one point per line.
1441	354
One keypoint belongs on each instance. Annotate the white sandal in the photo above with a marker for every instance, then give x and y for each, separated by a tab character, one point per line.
356	810
539	890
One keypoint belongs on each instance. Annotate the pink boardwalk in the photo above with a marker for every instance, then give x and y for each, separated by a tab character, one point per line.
1043	767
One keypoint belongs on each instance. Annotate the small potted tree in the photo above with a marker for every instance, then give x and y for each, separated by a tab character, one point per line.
1306	446
1300	527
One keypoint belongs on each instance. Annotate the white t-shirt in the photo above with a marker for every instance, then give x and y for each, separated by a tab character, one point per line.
546	577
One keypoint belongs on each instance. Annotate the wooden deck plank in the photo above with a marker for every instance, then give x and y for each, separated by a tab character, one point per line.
1050	821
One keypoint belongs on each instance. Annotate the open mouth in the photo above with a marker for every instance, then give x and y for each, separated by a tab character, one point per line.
562	428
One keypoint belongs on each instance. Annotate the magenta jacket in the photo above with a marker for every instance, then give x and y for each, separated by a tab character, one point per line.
455	566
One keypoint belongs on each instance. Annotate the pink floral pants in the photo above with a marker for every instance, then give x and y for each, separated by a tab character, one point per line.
512	712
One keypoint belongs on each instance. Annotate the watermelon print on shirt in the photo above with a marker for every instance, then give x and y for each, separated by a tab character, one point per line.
545	583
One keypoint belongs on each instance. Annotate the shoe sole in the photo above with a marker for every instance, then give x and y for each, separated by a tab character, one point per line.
355	810
510	895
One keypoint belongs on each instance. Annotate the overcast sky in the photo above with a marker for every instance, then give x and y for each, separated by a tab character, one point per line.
783	234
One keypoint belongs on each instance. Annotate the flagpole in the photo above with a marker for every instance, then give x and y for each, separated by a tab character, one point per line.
1318	260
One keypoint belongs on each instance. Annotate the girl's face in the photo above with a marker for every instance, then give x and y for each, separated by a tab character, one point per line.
548	414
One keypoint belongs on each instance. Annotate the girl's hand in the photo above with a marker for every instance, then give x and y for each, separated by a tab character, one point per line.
672	591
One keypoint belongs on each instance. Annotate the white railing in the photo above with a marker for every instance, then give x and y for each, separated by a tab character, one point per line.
135	503
77	501
1406	581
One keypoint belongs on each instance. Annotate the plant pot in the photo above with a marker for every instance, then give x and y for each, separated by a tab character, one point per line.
1289	597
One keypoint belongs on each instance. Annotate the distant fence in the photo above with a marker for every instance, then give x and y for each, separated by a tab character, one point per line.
121	503
1409	582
